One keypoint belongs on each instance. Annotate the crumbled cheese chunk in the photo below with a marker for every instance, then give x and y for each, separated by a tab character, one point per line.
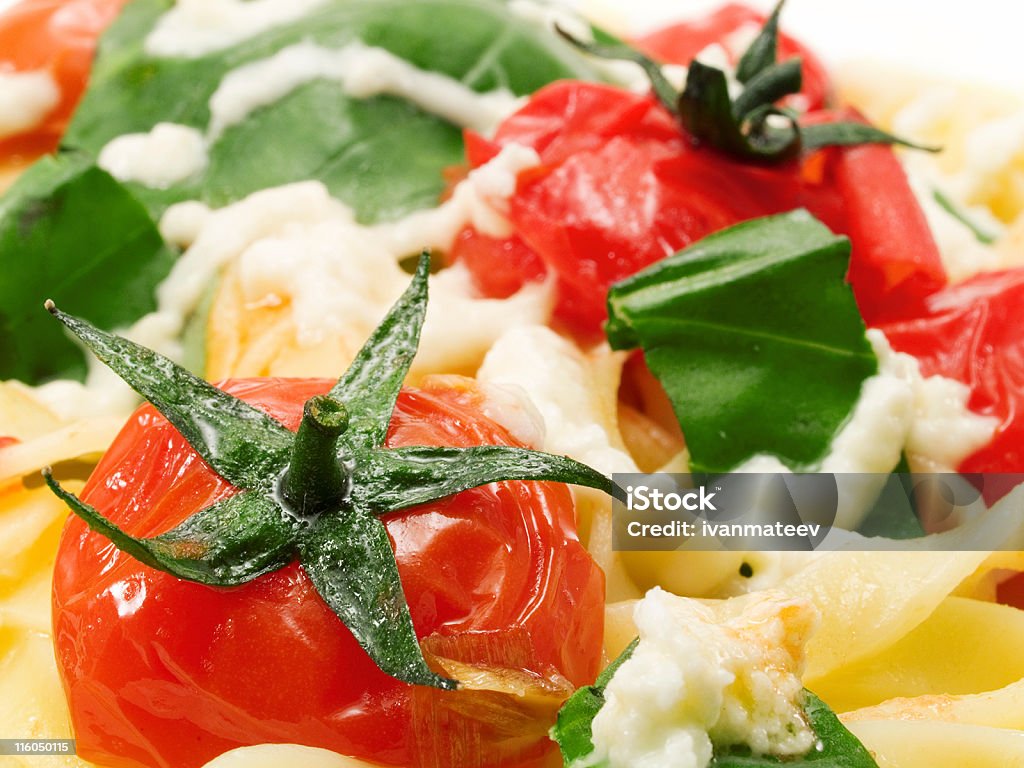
708	675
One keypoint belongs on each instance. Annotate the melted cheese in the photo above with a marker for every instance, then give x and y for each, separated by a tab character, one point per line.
279	238
194	28
363	71
170	153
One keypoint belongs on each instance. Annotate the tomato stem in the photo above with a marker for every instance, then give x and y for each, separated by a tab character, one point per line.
315	479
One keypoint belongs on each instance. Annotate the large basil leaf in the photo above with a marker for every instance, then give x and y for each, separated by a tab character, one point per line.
70	232
381	155
755	335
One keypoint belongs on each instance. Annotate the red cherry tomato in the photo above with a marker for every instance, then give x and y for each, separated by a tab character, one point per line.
681	43
163	672
58	36
621	186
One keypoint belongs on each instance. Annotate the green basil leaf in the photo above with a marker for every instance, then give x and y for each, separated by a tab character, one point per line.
225	545
371	384
71	232
383	156
946	203
241	443
894	515
380	155
763	51
397	478
837	747
845	134
349	559
755	336
574	728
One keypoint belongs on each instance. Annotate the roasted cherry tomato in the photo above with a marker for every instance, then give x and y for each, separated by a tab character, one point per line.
734	26
59	37
163	672
621	186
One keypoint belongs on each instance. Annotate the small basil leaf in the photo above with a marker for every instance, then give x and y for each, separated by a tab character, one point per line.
242	444
574	728
70	231
404	477
227	544
845	134
755	336
894	515
837	747
946	203
371	385
349	558
663	89
763	50
768	86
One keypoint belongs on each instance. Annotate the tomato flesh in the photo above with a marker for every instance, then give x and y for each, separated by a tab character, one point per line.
58	36
163	672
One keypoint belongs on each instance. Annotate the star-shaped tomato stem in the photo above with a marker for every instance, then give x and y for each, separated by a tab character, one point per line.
317	494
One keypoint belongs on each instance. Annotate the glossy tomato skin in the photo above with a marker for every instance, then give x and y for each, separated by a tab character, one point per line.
59	37
162	672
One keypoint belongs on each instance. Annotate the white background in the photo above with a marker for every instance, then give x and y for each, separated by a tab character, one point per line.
981	40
